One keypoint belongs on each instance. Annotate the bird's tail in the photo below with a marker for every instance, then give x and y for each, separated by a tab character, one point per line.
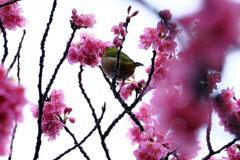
137	64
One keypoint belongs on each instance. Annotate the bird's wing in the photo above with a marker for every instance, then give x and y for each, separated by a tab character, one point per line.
111	52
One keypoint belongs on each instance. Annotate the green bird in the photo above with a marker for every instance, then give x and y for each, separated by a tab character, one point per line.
127	65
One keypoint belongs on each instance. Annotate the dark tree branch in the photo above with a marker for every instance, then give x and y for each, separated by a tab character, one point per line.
169	153
85	138
114	122
7	3
209	124
13	136
137	100
18	52
41	99
18	68
124	105
59	65
218	151
93	112
75	140
5	42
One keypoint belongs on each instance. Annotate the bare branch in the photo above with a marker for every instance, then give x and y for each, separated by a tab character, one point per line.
85	138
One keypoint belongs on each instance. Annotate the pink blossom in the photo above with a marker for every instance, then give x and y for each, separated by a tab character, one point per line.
79	21
227	94
125	92
88	57
67	110
134	14
144	42
213	78
228	112
162	28
115	29
83	20
52	129
117	42
57	96
134	135
145	113
88	20
11	15
165	15
72	56
34	111
150	150
72	120
74	11
88	51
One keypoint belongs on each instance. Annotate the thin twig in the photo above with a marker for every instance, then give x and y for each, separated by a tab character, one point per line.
41	100
5	42
85	138
59	65
218	151
13	136
93	112
7	3
18	52
147	84
75	140
169	153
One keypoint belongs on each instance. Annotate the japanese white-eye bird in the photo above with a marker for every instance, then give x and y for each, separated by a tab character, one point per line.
127	65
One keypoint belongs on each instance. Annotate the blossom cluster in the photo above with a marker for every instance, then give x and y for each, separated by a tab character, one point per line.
12	101
228	111
83	20
182	84
11	15
157	141
88	51
162	37
52	122
129	86
118	30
